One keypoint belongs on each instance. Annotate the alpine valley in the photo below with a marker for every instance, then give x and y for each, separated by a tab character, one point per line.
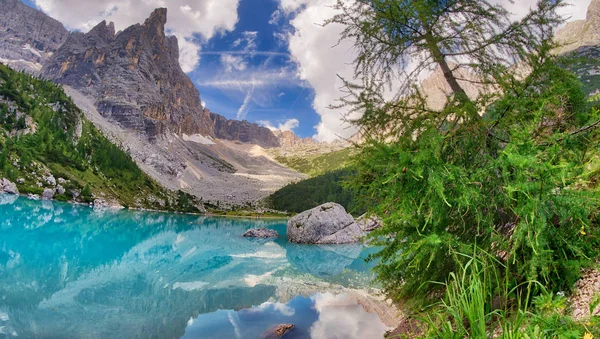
128	88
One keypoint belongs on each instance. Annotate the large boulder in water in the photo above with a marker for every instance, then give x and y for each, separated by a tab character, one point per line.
325	224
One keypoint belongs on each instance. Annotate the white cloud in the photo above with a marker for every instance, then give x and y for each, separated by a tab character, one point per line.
186	18
233	62
243	110
288	125
319	60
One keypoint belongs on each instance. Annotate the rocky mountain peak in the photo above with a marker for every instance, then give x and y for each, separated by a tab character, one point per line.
103	31
157	19
136	81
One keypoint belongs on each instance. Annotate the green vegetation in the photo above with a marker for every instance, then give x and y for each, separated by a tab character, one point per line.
310	193
479	297
512	173
43	133
317	164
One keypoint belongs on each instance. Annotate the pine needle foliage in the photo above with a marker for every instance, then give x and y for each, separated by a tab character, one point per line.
506	170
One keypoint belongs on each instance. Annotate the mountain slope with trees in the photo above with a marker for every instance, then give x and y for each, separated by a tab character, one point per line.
44	135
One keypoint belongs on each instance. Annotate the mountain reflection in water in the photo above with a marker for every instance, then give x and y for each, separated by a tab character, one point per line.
67	271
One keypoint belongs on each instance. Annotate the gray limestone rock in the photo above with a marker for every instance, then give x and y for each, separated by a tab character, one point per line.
48	194
260	233
60	189
6	186
28	37
325	224
50	180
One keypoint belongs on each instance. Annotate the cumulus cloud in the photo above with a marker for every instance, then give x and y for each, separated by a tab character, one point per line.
188	20
288	125
320	60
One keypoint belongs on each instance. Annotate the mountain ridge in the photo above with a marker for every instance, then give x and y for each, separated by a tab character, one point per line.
137	82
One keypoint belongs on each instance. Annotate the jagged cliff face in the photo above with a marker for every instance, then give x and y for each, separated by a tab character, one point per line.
137	82
28	37
581	33
134	76
580	42
243	131
288	140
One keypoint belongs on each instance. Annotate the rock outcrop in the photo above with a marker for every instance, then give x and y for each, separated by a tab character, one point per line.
243	131
325	224
7	186
136	81
28	37
580	33
260	233
288	140
48	194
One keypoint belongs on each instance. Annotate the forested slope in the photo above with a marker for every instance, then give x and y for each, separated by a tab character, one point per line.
44	137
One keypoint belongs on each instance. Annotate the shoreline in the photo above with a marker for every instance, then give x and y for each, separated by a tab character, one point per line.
142	209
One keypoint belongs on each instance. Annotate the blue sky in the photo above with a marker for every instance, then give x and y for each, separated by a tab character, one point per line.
266	61
266	78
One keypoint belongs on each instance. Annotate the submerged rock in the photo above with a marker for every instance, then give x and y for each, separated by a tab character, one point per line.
277	331
260	233
7	186
325	224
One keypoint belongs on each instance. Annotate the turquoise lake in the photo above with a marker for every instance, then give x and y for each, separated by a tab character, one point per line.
68	271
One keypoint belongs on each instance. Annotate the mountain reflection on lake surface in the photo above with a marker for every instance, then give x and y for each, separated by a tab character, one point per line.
67	271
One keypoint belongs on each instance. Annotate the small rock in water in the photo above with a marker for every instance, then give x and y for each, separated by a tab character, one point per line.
260	233
33	196
277	331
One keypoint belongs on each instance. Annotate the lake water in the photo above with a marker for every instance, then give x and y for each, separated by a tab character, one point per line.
67	271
